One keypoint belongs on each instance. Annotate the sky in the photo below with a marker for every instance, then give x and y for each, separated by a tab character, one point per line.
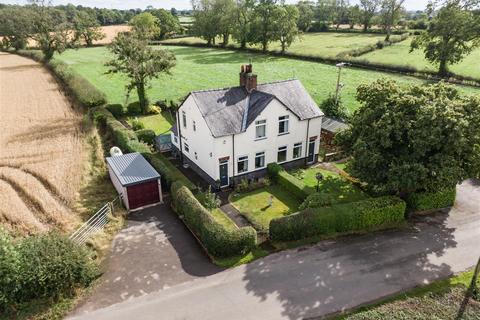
167	4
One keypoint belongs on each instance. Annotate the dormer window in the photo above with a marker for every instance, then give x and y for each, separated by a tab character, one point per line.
283	125
260	129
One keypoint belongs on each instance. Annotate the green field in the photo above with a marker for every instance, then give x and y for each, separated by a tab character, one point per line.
321	44
399	55
207	68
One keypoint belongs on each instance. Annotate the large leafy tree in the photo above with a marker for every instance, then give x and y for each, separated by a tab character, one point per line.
305	15
86	28
368	11
451	35
264	23
145	25
286	29
391	11
205	20
139	62
411	139
15	26
168	23
226	18
243	19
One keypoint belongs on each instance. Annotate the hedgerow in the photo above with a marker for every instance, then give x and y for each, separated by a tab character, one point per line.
365	215
217	240
168	171
423	201
41	266
288	182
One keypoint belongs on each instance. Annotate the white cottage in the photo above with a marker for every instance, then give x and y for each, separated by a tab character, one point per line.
233	133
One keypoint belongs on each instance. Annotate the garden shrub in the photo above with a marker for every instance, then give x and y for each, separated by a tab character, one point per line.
137	124
208	199
423	201
374	213
134	108
116	109
317	200
146	135
218	241
153	109
169	173
247	186
288	182
42	266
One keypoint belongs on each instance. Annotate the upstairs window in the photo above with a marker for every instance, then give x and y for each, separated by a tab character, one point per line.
242	164
184	119
282	154
283	125
260	129
297	150
259	160
186	147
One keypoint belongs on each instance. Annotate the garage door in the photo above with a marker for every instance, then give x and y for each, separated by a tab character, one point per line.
143	194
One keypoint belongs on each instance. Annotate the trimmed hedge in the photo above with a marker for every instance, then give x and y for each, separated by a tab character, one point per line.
363	215
423	201
146	135
288	182
168	171
116	109
125	138
217	240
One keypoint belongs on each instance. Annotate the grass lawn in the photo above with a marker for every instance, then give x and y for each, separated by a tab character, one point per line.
321	44
399	55
341	166
223	219
254	205
160	123
341	190
207	68
439	300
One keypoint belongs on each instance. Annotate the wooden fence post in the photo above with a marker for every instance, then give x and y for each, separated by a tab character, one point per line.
472	291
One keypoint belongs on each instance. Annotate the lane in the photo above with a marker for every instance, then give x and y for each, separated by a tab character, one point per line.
325	278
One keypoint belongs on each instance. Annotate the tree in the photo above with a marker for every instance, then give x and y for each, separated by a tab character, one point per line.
264	23
334	108
87	28
391	12
452	34
49	28
325	12
15	26
286	30
305	15
225	10
340	12
353	16
145	25
418	138
243	17
168	23
205	20
139	62
369	8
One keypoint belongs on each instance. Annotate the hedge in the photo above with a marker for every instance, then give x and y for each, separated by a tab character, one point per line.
146	135
125	138
116	109
363	215
168	171
217	240
288	182
423	201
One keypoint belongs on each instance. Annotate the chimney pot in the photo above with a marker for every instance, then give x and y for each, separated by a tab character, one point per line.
247	78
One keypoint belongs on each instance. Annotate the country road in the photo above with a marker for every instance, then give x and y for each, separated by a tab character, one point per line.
326	278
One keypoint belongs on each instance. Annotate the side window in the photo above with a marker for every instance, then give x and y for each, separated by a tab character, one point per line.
184	119
194	126
186	147
283	124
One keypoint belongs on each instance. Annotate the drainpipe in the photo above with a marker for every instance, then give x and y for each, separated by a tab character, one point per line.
179	135
306	143
233	160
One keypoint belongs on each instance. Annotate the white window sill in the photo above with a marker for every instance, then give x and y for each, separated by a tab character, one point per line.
262	138
284	133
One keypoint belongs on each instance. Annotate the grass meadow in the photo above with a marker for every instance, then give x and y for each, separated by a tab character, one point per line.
208	68
399	55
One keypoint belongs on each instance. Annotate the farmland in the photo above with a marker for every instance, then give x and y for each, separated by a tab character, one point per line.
321	44
206	68
399	55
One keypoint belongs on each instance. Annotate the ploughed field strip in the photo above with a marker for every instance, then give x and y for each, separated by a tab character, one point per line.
41	149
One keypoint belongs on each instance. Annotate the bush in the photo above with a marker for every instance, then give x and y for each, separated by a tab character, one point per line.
423	201
36	55
137	124
168	171
363	215
116	109
208	199
134	108
334	108
218	241
146	135
247	186
317	200
318	27
153	109
288	182
42	266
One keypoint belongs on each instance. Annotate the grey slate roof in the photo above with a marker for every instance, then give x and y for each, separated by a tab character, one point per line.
132	168
333	125
231	110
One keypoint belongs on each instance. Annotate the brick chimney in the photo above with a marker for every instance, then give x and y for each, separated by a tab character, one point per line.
247	78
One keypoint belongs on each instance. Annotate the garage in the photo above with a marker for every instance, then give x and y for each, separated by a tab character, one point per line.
135	179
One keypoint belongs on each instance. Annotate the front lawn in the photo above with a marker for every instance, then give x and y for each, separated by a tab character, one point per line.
341	190
160	123
222	218
255	205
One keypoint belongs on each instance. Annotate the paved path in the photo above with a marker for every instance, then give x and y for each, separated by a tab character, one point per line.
153	252
325	278
231	211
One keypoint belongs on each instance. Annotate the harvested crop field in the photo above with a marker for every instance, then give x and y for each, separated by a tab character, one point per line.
42	152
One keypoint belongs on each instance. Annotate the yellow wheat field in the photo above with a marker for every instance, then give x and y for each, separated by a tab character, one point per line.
41	149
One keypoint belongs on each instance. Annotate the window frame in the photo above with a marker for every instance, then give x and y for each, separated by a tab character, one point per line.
298	145
260	155
244	160
258	124
285	120
284	149
186	147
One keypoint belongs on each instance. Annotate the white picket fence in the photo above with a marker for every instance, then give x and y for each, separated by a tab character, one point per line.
95	223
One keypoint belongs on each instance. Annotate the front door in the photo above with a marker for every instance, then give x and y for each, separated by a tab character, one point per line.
311	151
224	174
